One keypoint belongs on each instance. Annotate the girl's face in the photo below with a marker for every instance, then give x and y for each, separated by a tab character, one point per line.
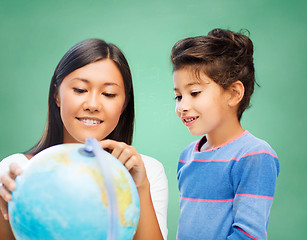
201	104
91	100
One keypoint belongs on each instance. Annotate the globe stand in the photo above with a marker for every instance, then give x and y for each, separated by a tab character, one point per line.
93	148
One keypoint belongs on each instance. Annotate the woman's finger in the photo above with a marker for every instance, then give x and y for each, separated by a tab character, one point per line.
110	144
137	170
126	154
115	147
131	163
15	170
8	182
129	157
117	150
5	194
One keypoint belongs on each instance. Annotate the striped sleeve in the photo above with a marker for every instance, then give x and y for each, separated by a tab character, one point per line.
254	178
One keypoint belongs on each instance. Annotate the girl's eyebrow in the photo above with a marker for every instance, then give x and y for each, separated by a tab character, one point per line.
192	84
188	85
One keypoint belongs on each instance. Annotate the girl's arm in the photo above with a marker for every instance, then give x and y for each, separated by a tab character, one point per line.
254	180
148	227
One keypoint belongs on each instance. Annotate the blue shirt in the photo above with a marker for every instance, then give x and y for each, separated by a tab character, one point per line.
226	192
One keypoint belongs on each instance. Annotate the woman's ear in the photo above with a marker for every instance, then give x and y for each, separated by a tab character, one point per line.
57	101
124	107
237	92
56	96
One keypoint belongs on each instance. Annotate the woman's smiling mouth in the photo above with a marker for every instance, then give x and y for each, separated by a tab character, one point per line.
90	121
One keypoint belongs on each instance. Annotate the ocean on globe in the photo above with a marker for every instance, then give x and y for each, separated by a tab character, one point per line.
62	194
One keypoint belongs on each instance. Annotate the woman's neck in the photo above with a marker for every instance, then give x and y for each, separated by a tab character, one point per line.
28	156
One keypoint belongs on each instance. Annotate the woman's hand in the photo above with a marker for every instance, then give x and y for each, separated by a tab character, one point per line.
7	186
130	158
148	226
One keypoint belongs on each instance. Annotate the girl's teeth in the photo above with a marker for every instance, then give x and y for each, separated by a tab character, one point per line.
189	120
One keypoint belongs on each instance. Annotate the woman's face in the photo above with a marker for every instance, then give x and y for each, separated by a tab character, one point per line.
91	100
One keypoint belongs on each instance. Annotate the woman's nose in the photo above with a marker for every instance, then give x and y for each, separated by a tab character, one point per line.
92	103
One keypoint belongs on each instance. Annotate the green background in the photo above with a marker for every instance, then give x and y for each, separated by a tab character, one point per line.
35	35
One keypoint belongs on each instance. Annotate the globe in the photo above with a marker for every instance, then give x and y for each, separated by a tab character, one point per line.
64	193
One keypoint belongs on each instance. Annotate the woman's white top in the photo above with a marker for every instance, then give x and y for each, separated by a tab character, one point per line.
155	174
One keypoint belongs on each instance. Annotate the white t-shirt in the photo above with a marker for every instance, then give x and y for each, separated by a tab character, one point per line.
156	177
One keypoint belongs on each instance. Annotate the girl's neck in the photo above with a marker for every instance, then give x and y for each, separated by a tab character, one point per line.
222	135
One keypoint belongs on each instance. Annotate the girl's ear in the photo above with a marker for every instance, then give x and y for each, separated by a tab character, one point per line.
237	92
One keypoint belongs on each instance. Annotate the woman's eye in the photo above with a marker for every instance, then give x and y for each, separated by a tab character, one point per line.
111	95
194	94
78	90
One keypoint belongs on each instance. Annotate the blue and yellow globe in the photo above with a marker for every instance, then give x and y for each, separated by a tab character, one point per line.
63	194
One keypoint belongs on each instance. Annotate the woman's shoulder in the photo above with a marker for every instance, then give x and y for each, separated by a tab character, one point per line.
18	158
154	168
152	164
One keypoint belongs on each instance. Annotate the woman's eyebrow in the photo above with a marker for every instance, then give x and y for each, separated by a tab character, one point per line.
87	81
81	79
111	84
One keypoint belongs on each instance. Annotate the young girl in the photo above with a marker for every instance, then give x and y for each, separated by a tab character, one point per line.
227	178
91	95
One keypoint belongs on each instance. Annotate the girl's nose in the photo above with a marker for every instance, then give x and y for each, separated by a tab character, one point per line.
182	106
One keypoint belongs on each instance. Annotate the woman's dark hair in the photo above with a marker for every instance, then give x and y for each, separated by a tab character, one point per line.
223	55
86	52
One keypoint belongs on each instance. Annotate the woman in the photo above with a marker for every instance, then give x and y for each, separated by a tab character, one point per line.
91	95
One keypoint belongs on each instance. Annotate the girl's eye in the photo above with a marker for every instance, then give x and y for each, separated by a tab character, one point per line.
194	94
110	95
78	90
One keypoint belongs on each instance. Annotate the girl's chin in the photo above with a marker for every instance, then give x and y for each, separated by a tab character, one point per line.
194	133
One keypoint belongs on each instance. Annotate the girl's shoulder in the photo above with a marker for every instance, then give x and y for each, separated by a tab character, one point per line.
253	143
18	158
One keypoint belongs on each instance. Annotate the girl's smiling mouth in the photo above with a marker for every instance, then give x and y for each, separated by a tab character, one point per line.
188	121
